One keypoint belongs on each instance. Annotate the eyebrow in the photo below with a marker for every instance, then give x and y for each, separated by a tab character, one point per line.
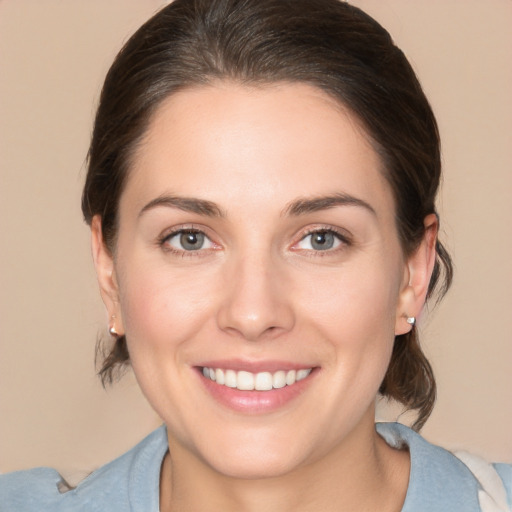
298	207
314	204
187	204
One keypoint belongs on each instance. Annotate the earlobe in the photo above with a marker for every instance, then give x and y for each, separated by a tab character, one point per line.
105	272
418	271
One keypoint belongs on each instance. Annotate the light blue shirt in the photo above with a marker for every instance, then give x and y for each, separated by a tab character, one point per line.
439	482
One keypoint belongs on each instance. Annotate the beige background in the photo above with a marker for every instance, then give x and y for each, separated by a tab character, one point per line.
53	56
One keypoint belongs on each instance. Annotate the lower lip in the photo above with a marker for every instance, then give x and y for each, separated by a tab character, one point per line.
255	402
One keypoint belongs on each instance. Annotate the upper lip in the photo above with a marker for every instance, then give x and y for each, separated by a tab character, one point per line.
255	366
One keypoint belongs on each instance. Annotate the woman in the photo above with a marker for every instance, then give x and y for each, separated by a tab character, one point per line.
261	194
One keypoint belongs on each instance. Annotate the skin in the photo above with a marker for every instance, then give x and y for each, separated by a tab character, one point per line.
258	290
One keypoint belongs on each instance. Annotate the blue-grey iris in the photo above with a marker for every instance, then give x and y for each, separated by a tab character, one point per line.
192	240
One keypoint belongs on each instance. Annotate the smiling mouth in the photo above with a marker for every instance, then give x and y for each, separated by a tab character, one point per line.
261	381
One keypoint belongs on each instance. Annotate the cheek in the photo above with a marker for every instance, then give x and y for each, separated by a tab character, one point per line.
163	312
357	300
161	308
354	311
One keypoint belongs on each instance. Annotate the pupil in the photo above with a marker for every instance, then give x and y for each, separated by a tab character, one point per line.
322	241
192	241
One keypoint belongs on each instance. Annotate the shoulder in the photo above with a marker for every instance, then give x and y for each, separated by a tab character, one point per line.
28	490
505	473
440	480
128	483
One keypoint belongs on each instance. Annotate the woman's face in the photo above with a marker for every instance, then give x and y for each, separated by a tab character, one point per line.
257	245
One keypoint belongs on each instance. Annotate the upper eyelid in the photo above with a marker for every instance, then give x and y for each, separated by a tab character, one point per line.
168	233
341	233
172	234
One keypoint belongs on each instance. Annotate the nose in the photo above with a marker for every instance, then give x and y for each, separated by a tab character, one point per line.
256	301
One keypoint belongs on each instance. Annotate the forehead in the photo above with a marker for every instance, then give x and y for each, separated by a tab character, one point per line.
278	141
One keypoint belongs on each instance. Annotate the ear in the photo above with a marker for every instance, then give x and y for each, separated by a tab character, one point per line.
417	273
105	272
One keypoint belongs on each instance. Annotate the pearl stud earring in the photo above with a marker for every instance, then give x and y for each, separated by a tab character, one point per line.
112	328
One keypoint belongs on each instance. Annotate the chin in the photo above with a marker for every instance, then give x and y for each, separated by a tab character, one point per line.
251	453
254	464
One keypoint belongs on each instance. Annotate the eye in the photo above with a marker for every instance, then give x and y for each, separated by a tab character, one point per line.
188	240
321	240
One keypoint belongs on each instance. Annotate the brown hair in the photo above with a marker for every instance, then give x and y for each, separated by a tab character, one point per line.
326	43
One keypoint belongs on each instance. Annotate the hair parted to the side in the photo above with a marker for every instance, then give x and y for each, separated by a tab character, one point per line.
326	43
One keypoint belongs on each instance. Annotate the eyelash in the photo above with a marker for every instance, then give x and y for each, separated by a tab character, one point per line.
341	237
164	241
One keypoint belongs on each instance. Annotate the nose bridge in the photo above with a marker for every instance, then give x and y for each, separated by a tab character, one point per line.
255	303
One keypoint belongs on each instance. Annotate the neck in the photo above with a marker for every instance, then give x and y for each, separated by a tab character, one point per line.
360	474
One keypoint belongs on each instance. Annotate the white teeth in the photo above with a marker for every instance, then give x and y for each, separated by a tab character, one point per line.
245	381
302	374
230	378
279	380
219	376
290	377
262	381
